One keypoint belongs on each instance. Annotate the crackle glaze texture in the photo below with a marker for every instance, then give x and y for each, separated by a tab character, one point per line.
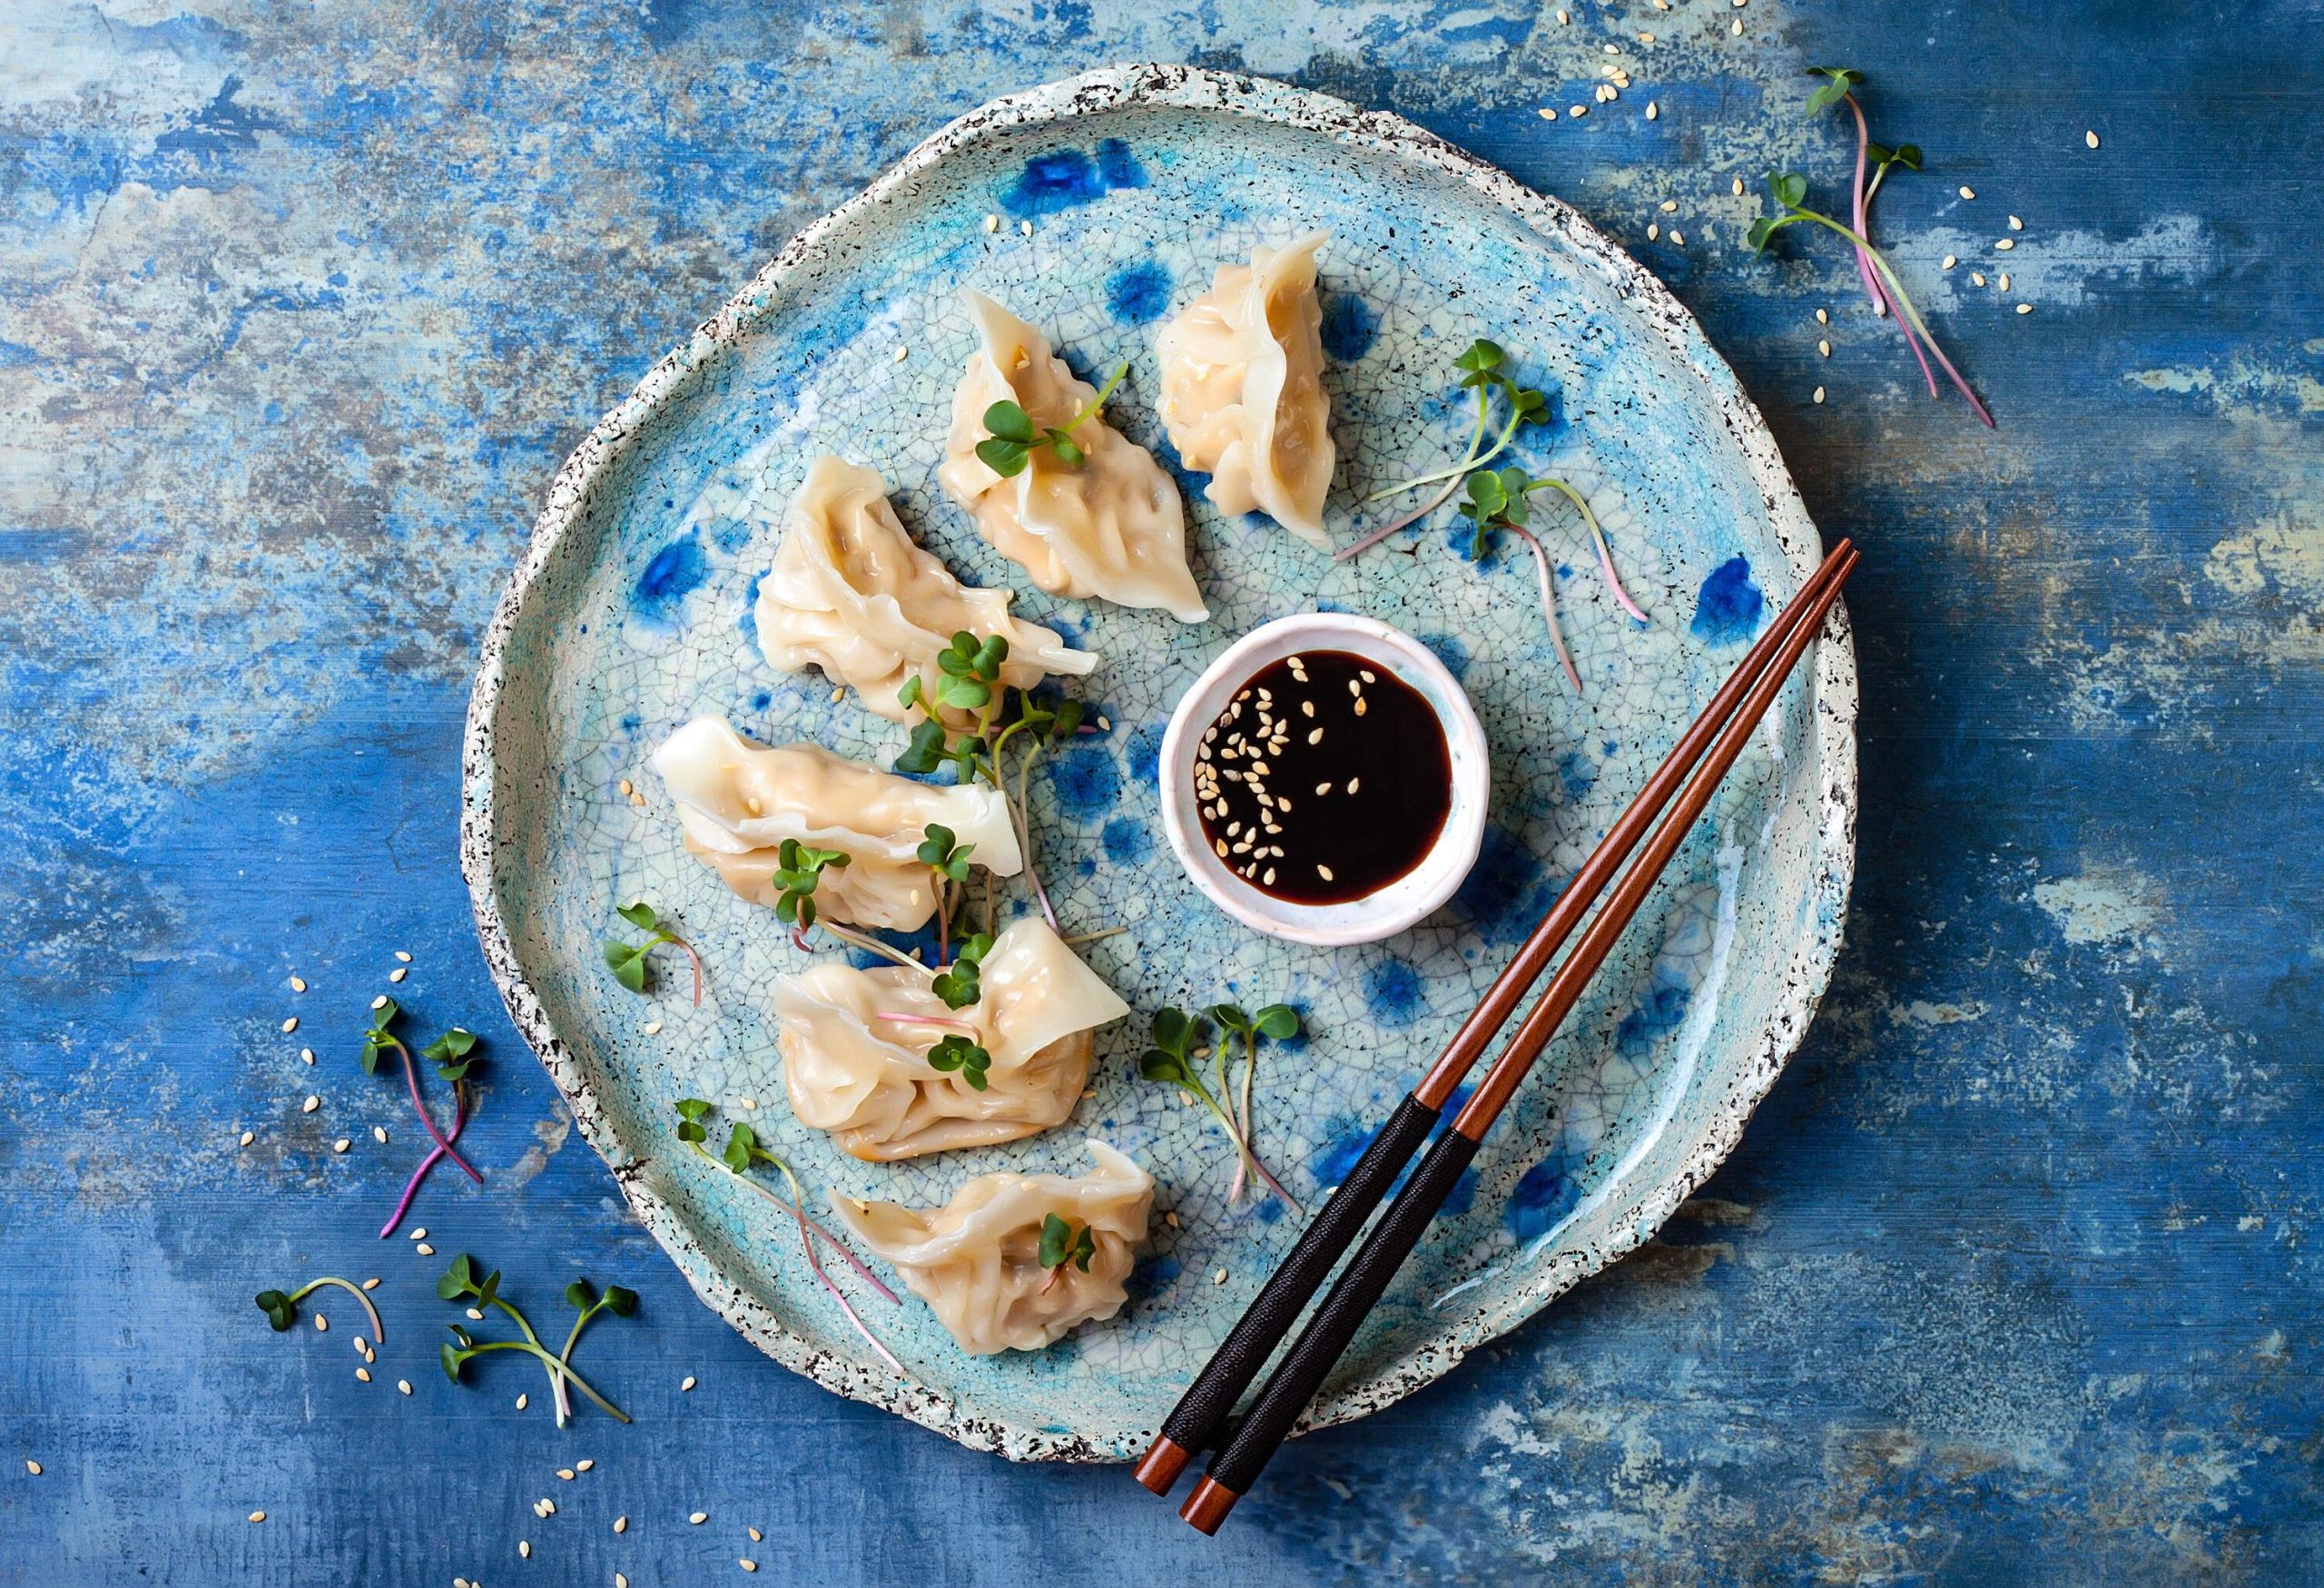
2010	1278
632	614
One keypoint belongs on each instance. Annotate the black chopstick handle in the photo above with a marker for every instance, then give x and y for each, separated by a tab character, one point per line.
1200	1412
1320	1346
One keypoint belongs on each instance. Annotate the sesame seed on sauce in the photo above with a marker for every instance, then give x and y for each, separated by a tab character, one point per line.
1343	843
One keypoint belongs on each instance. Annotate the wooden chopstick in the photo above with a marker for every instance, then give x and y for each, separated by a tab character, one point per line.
1203	1410
1384	1252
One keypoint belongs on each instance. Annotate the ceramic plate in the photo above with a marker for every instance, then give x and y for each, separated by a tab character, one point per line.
1095	208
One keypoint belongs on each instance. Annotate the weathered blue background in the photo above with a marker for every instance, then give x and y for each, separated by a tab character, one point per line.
301	307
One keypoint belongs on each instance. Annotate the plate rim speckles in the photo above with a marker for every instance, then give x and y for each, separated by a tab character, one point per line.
595	465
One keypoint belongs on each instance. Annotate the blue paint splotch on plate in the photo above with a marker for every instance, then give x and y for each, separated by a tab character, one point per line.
677	571
1350	326
1126	841
1062	179
1542	1196
1086	781
1728	607
1507	891
1392	987
1137	295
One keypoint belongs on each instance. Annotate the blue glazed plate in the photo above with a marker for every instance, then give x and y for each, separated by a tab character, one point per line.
1117	195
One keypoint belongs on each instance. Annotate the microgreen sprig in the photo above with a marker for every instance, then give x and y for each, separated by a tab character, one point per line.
947	860
460	1283
282	1309
1278	1021
380	1039
627	961
1061	1247
960	983
1014	437
799	867
1175	1059
955	1052
1481	371
744	1151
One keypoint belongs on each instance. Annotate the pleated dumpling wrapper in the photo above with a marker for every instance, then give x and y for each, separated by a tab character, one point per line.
851	594
977	1260
737	802
1243	394
855	1046
1109	525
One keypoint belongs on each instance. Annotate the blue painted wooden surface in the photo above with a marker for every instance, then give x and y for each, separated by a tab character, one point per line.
299	313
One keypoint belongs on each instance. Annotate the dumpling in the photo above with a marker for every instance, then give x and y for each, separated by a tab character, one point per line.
1243	392
851	594
1111	526
738	801
854	1069
976	1260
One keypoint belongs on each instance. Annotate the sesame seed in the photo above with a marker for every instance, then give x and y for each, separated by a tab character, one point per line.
1269	877
1737	29
2026	308
566	1472
363	1374
524	1549
620	1581
1651	113
1968	193
1677	240
1171	1218
341	1145
837	694
298	984
1362	706
687	1385
653	1028
360	1345
1950	260
992	223
1219	1278
404	1386
1977	278
756	1536
2005	243
306	1055
1819	394
1577	111
1563	20
1220	845
1324	872
1308	707
398	973
547	1507
747	1563
1669	206
372	1284
1824	347
1613	49
310	1104
2004	282
419	1234
381	1001
583	1466
34	1467
621	1525
1352	782
379	1134
323	1324
901	354
1646	38
699	1517
1025	227
2015	224
1736	187
249	1137
258	1516
476	1314
521	1400
626	790
1653	232
424	1249
2091	139
292	1024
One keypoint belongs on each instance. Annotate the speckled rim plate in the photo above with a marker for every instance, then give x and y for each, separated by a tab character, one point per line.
1637	1206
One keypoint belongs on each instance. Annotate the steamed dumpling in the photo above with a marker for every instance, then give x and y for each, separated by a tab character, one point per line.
851	594
1111	526
976	1260
738	801
1243	393
867	1079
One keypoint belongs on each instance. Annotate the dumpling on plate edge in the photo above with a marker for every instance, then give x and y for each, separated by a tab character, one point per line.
1110	527
737	802
976	1260
866	1078
1243	394
851	594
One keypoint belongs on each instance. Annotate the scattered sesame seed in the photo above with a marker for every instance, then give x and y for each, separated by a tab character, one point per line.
341	1145
521	1400
1577	111
33	1467
566	1472
839	694
1653	232
2026	308
620	1581
626	790
258	1516
1563	20
547	1507
687	1385
621	1525
653	1028
1269	877
1646	38
1352	783
1823	318
1669	206
292	1024
992	223
747	1563
524	1549
403	956
756	1536
1737	29
249	1137
363	1374
424	1249
323	1324
699	1517
1677	240
1171	1218
1025	227
1819	394
404	1386
1968	193
2005	244
310	1104
298	984
1651	113
371	1284
2091	139
1547	113
1950	260
2015	224
398	973
419	1234
361	1345
1362	706
1219	1278
379	1134
583	1466
902	354
1324	872
381	1001
476	1314
306	1055
1736	187
2004	282
1977	278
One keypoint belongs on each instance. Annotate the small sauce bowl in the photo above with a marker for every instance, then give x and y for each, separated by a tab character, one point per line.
1388	910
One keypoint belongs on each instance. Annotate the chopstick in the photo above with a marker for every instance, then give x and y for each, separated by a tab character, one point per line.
1203	1410
1376	1263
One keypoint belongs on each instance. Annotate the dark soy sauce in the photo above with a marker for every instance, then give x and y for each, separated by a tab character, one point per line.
1326	779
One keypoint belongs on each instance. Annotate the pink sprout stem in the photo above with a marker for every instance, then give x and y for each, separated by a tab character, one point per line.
411	1082
436	1155
925	1019
1023	816
807	1240
1548	603
1414	517
696	959
1864	257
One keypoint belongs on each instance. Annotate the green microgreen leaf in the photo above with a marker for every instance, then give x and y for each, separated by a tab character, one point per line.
1057	1241
1279	1021
1480	355
1838	83
280	1311
580	1294
955	1052
639	914
1009	422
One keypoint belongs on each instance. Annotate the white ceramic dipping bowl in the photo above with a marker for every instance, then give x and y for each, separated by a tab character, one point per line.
1386	910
